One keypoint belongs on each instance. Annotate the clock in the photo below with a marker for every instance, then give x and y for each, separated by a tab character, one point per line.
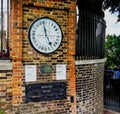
45	35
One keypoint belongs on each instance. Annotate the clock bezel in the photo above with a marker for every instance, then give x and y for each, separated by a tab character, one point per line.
29	37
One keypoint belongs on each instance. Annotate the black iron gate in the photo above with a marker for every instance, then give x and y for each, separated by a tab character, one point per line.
4	28
90	36
112	89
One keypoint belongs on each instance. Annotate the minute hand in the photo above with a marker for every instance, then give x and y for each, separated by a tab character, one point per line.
50	43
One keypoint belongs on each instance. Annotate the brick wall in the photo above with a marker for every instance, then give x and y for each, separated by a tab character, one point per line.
23	13
5	85
5	90
89	82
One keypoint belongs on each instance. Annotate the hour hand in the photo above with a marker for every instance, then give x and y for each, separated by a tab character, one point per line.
44	29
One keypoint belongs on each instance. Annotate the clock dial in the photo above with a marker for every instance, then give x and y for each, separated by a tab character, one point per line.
45	35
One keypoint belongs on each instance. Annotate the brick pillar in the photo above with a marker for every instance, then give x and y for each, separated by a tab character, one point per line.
23	13
16	49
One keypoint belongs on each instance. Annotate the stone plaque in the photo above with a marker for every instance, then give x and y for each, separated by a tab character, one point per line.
60	72
30	73
45	91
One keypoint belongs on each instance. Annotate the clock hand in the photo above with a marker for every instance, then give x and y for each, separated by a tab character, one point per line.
50	43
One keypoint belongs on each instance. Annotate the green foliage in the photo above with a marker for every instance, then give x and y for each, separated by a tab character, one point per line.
112	50
1	111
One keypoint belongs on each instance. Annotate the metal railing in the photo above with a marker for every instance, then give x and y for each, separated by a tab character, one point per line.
90	36
4	29
112	89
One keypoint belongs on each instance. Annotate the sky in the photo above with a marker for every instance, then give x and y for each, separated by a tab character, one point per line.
113	27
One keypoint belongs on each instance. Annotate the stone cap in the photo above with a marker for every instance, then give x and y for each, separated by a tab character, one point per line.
5	65
94	61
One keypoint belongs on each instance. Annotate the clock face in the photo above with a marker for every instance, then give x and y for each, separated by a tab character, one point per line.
45	35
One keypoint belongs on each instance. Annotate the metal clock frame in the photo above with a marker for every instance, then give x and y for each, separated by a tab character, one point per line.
29	30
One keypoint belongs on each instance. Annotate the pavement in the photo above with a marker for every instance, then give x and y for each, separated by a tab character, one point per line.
110	112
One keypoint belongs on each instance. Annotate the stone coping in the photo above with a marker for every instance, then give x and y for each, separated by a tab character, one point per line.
93	61
5	65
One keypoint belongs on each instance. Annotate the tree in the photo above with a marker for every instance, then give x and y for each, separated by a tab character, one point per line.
112	50
114	6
